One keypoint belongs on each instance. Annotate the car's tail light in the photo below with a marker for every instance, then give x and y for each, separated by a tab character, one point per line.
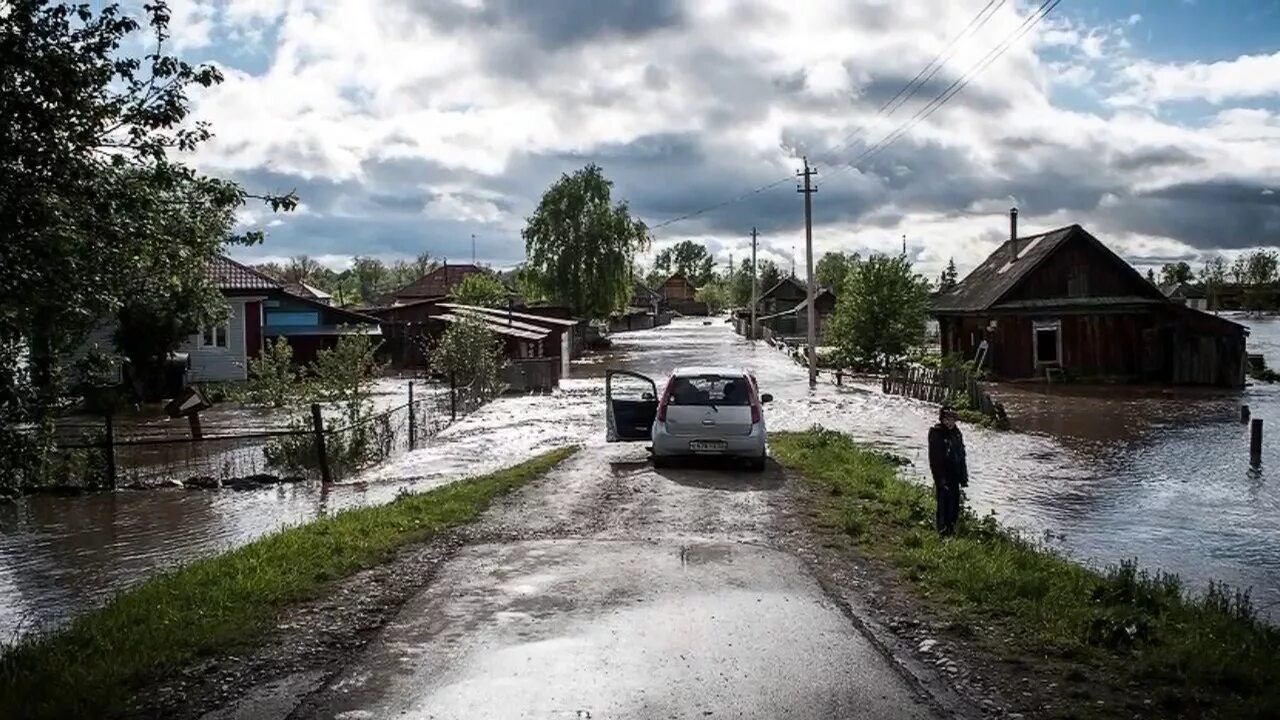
755	404
662	401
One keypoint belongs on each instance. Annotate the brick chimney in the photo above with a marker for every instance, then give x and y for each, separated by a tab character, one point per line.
1013	234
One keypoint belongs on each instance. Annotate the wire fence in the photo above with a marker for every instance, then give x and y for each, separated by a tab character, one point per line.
328	443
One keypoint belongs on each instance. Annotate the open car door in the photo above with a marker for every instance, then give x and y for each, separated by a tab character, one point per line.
631	404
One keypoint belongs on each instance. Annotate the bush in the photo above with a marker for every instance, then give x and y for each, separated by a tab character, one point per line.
468	352
274	381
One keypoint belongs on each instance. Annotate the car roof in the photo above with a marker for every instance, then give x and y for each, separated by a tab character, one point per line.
696	370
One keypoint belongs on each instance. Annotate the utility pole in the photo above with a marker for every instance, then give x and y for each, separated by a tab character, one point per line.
473	248
755	286
904	245
808	190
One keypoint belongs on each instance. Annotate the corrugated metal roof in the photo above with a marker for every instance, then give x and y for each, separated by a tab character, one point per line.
231	275
500	314
495	327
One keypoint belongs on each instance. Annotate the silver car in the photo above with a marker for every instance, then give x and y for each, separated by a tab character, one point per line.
702	411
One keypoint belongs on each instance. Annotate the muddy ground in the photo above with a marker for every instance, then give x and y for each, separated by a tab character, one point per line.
378	642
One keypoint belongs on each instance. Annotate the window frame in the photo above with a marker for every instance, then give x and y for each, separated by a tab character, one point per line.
212	332
1039	326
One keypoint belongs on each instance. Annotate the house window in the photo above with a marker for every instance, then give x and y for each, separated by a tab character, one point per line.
1047	339
214	337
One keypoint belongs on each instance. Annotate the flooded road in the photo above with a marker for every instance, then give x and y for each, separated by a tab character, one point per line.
1163	479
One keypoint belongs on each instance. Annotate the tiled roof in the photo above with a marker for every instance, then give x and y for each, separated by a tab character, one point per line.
438	282
231	275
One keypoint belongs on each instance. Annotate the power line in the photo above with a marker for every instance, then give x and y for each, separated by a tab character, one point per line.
916	83
977	20
958	85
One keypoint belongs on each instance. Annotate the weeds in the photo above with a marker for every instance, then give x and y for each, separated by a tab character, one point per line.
92	668
1193	655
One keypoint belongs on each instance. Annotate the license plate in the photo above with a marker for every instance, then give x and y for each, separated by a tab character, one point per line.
707	446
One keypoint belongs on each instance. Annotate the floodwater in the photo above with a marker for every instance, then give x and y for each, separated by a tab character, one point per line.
1160	477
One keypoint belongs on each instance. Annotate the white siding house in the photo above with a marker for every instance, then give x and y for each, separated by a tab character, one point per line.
220	354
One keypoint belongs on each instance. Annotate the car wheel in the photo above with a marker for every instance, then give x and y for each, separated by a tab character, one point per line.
660	462
758	464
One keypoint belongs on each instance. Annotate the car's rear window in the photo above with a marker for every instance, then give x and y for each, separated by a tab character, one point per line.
710	390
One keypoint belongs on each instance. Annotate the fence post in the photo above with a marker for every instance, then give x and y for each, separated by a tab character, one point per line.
317	427
1244	413
413	420
1255	442
110	449
453	397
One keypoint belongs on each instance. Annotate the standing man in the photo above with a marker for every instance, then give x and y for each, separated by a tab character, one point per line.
950	473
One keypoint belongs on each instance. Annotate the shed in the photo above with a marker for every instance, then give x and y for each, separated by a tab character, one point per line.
1062	301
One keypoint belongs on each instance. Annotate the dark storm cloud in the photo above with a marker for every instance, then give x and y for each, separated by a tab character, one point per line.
558	24
1155	157
1205	215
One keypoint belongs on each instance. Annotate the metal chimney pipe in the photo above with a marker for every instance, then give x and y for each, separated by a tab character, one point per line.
1013	233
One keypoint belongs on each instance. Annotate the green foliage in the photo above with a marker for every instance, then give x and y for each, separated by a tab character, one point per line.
345	372
1178	272
833	268
716	294
1209	656
881	311
1214	271
529	284
469	353
949	278
274	381
583	246
769	274
94	666
481	289
740	287
688	258
96	211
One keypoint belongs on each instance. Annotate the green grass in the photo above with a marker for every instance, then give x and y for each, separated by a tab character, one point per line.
1194	655
91	668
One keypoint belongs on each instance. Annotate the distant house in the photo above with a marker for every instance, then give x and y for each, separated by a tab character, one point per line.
644	310
311	292
1061	301
681	296
1189	294
261	309
434	285
794	321
783	296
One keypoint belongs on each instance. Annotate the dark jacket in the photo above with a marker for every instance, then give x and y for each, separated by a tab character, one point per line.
946	456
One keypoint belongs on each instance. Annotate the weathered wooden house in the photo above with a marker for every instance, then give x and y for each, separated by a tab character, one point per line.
680	295
784	295
794	321
1062	302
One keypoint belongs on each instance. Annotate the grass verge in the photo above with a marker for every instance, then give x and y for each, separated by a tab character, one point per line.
91	668
1189	655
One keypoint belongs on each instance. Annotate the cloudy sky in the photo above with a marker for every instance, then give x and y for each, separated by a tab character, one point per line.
410	125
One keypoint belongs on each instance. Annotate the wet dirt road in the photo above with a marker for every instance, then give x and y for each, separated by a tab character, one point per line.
610	590
1162	479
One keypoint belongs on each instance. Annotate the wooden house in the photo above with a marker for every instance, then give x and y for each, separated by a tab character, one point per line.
783	296
794	321
1061	302
680	295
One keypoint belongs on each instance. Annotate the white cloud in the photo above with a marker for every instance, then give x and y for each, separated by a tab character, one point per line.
407	124
1134	19
1248	76
191	23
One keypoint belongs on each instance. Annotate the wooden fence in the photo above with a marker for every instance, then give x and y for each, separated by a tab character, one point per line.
955	386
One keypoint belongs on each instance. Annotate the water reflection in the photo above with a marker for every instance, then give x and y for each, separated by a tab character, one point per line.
1158	476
